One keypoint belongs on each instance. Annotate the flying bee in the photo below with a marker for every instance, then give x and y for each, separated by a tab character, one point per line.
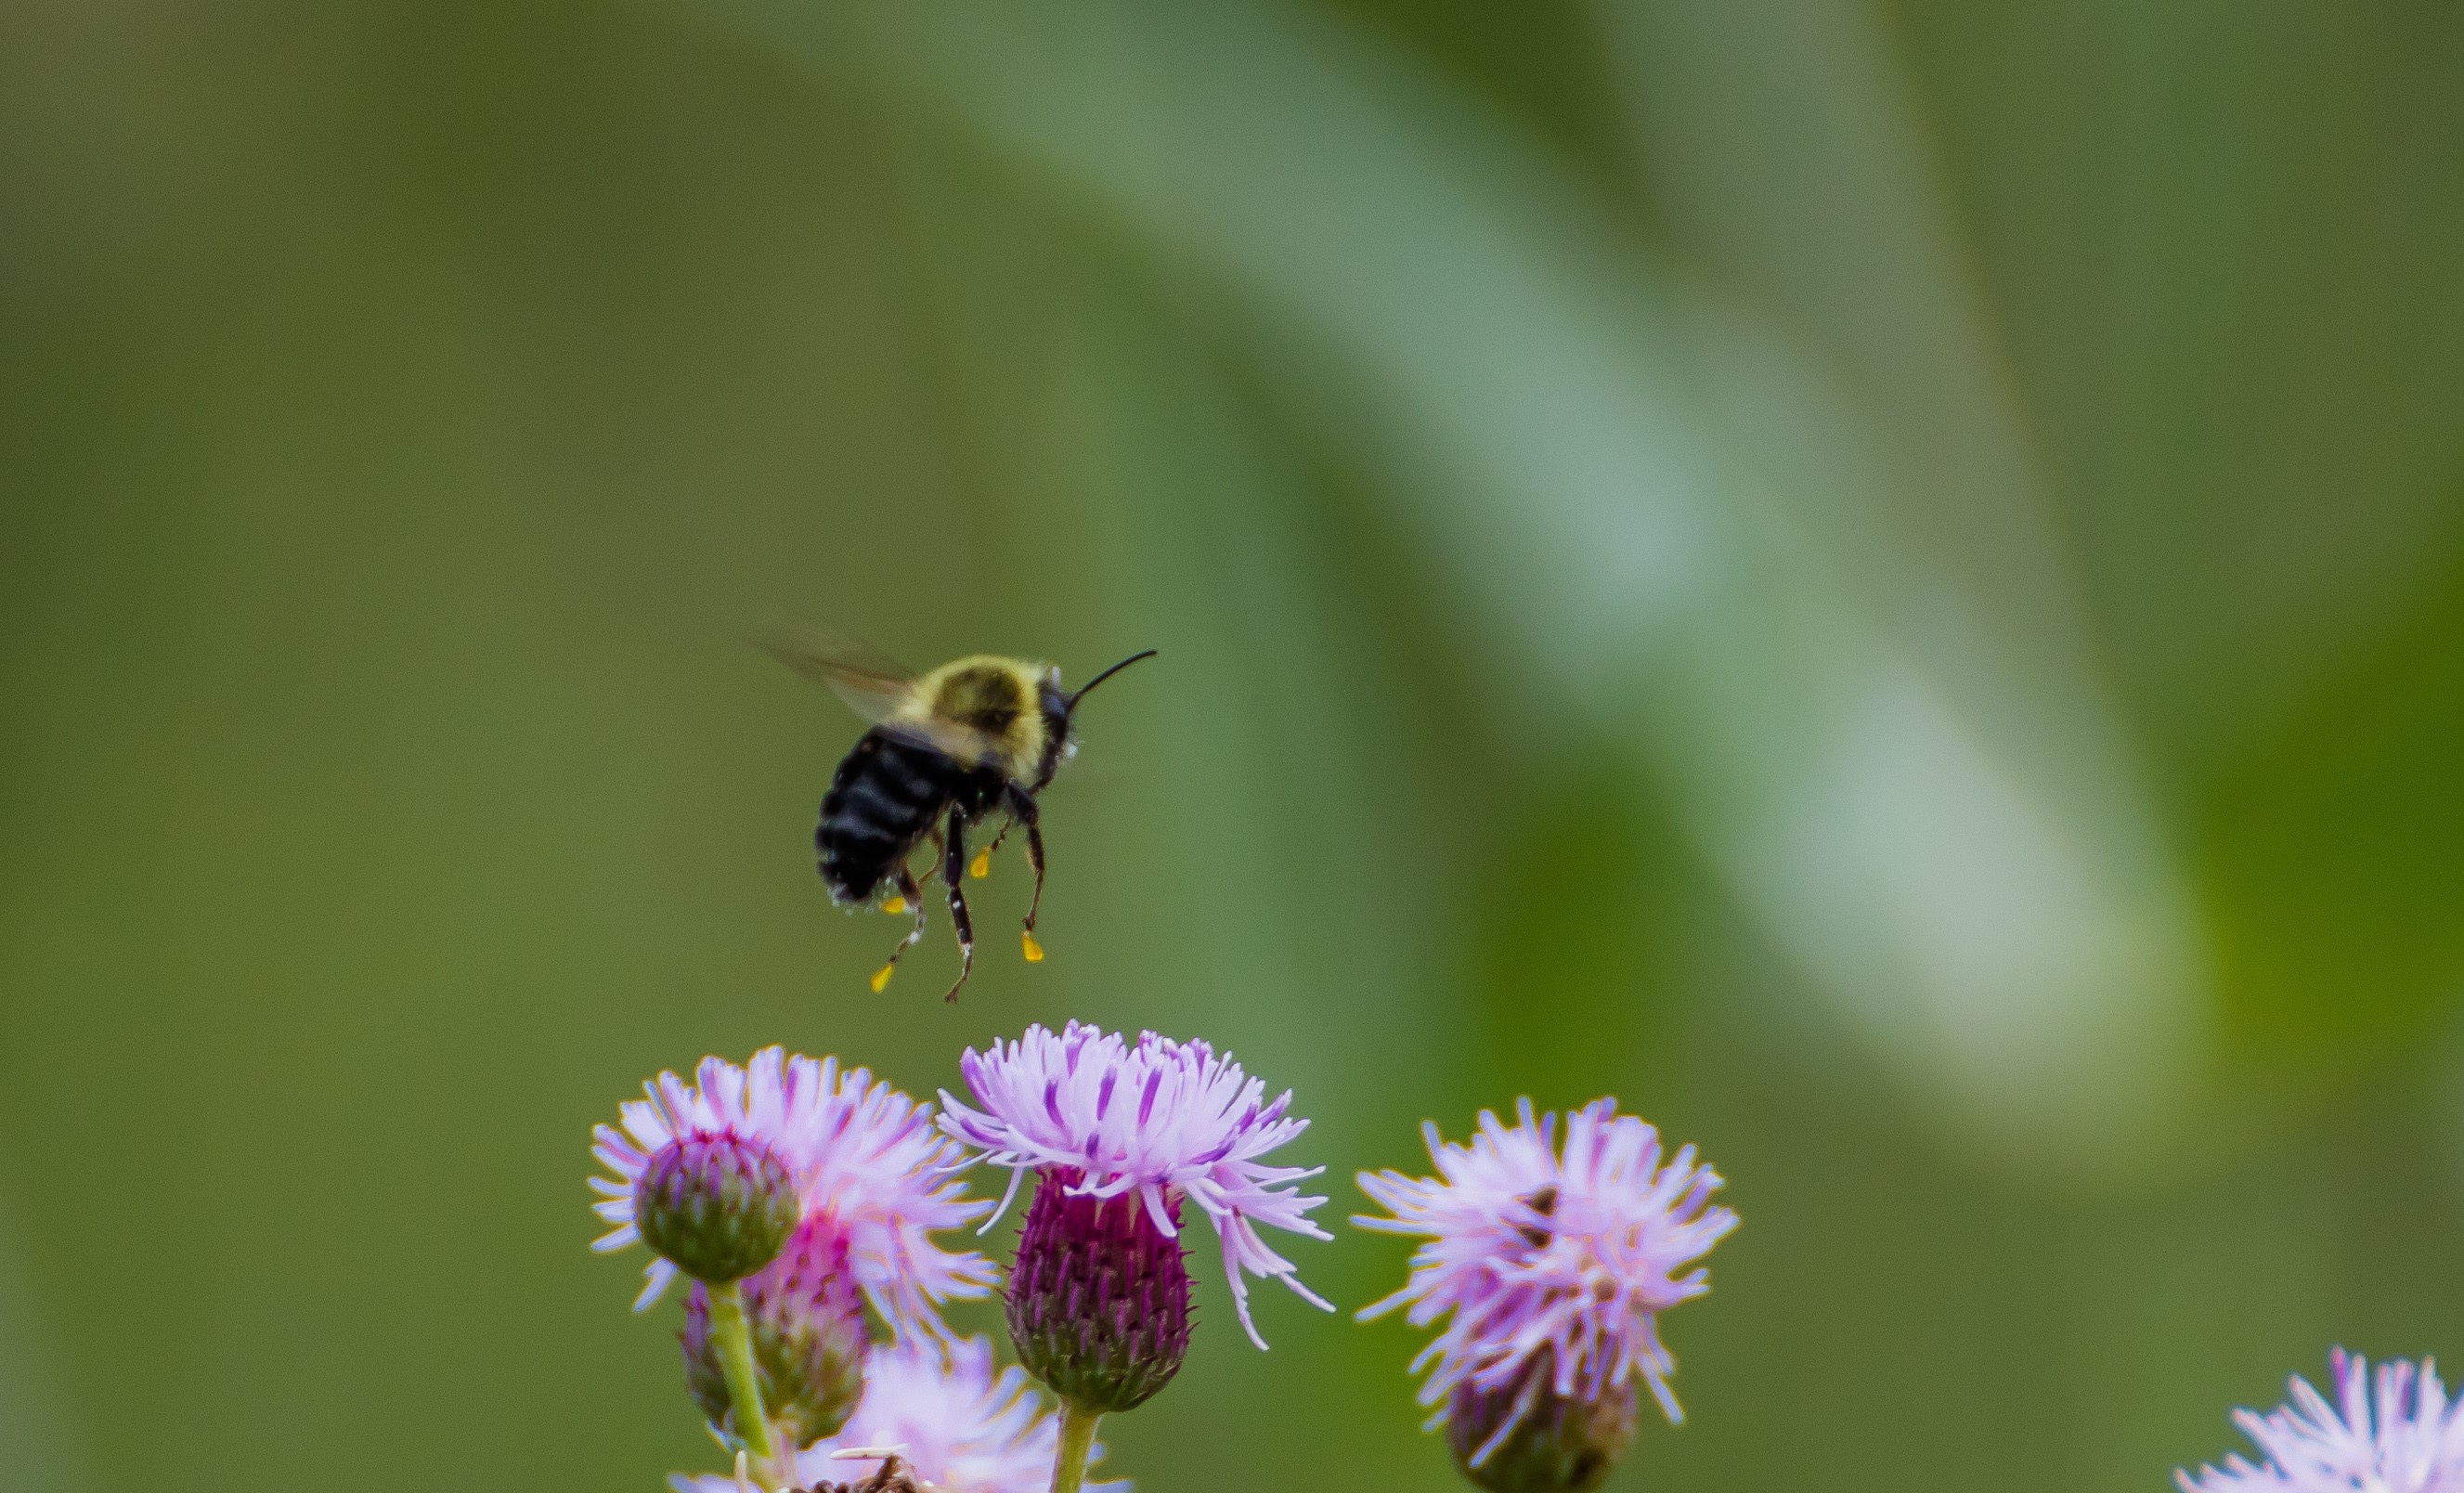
980	735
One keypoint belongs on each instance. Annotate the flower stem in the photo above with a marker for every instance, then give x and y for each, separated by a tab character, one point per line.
1077	1438
734	1342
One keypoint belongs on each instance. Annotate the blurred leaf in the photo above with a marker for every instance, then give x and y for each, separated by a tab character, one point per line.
2333	848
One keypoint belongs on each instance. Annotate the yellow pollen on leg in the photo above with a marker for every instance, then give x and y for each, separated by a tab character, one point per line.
1034	951
881	977
982	866
895	904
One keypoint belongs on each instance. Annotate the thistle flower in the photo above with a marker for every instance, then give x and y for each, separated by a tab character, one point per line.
959	1426
2405	1439
861	1155
1119	1137
1553	1269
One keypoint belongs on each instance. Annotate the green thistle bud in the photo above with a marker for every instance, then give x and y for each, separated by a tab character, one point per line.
719	1206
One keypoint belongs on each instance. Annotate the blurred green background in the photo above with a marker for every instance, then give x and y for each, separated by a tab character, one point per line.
1879	581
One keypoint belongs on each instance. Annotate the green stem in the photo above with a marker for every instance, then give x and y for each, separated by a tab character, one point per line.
1077	1437
734	1342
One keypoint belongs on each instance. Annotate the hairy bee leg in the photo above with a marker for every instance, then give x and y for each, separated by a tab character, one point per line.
954	857
1022	811
914	898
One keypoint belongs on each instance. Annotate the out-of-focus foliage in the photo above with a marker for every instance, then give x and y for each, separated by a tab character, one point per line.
1882	582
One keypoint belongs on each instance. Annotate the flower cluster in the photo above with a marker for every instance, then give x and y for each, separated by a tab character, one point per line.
2407	1437
793	1192
794	1195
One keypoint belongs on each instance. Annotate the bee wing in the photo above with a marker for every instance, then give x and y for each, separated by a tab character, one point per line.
872	684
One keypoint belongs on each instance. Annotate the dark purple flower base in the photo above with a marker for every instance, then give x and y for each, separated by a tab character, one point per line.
1098	1298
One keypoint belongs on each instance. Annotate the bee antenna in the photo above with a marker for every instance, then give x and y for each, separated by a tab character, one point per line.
1107	674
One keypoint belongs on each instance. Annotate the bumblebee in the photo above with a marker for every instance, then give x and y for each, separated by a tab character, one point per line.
946	749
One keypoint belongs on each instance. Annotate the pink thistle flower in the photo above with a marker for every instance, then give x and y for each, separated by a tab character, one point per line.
864	1158
955	1423
1532	1251
2408	1439
1161	1119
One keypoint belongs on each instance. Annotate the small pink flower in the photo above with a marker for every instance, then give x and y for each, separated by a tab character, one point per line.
2413	1444
1161	1120
1531	1249
864	1156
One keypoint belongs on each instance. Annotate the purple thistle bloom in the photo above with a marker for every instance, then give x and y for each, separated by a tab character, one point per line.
1161	1119
956	1424
864	1158
1532	1252
2408	1439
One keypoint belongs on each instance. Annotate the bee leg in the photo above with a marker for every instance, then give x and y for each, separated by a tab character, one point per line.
954	856
983	865
1022	811
914	898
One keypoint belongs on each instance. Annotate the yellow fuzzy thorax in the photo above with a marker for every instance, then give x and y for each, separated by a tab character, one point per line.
991	705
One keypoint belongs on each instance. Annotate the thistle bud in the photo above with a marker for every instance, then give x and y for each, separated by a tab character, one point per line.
806	1321
1098	1300
719	1206
1524	1437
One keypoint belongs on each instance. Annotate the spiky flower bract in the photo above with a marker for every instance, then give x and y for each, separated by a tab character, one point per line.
1098	1303
1154	1120
2407	1437
862	1157
1523	1436
1533	1249
961	1427
716	1207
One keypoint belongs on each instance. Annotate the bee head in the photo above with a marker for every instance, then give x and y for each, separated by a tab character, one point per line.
1061	708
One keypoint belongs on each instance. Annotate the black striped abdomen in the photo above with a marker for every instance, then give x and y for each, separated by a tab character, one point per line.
886	794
